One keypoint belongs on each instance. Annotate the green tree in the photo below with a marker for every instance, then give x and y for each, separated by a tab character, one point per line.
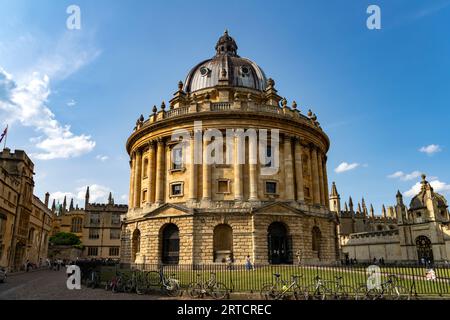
65	238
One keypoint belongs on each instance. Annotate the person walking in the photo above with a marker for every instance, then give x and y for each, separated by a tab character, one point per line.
248	263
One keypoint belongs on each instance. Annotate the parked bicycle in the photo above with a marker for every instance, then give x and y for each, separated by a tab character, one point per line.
211	287
169	285
281	289
388	289
93	280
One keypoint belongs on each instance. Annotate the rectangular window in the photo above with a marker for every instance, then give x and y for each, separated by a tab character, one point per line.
115	218
114	251
307	192
144	195
114	234
271	187
95	218
177	158
176	189
223	186
93	251
94	233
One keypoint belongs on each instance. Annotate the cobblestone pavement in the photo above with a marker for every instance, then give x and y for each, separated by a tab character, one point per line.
51	285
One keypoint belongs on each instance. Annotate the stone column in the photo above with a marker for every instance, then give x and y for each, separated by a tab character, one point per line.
206	176
253	169
131	194
315	175
137	179
288	169
192	169
238	187
299	170
325	181
321	184
160	171
151	173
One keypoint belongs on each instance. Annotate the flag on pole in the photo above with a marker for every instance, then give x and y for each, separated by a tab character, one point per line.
5	132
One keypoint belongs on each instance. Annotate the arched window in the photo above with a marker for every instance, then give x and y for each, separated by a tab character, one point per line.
136	244
145	168
424	249
379	228
170	244
279	244
223	242
31	236
76	225
316	241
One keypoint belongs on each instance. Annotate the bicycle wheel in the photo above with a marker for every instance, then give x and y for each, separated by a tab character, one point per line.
172	288
194	290
398	293
345	293
314	293
141	286
300	293
219	291
269	292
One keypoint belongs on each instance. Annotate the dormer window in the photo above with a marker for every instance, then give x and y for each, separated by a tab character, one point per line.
245	70
204	71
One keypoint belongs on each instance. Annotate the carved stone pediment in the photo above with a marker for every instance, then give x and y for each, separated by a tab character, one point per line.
278	208
169	210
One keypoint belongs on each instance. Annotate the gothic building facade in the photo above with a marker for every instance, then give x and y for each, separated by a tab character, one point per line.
186	209
98	225
419	233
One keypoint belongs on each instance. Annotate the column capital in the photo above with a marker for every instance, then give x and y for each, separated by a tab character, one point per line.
151	143
161	140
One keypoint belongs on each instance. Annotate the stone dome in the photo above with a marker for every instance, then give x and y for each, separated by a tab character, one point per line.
418	201
226	68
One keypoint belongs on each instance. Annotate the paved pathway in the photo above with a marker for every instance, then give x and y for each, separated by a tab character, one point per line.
51	285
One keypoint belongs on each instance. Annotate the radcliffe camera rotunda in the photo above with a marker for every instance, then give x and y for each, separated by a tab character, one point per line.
182	211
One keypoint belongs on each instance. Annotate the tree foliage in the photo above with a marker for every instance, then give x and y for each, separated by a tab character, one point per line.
65	238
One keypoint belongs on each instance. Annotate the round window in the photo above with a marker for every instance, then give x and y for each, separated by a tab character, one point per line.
245	70
204	71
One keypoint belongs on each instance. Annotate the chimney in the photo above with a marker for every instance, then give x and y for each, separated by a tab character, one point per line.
47	199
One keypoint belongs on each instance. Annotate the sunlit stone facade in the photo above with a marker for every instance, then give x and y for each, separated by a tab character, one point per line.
182	211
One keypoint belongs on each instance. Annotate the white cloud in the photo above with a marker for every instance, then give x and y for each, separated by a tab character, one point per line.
430	149
438	186
71	103
124	197
344	166
101	158
26	103
59	196
405	176
97	193
24	99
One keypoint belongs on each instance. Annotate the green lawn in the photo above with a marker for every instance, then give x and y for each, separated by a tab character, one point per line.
241	280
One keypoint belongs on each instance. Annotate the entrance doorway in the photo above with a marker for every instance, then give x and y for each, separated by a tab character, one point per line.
424	249
170	244
279	244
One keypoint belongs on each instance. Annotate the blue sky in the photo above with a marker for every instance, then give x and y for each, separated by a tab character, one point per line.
71	97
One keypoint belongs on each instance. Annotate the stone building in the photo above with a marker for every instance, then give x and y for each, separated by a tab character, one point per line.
40	228
24	221
409	235
98	226
184	208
